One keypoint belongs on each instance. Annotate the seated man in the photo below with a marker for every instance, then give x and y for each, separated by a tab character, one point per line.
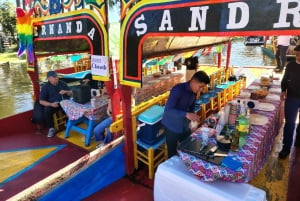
101	131
52	92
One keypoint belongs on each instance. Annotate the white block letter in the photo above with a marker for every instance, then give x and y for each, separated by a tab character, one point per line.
68	27
78	26
285	10
196	17
141	26
91	33
44	30
232	23
51	29
166	20
59	30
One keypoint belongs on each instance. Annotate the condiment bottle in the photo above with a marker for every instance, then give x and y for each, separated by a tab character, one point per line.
232	115
243	127
235	137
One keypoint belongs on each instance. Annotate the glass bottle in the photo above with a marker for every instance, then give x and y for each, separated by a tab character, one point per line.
243	127
235	137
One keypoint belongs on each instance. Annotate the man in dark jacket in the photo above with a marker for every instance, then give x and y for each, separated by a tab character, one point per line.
179	110
51	94
290	87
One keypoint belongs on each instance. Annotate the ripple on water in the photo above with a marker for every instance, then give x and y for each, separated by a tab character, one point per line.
15	90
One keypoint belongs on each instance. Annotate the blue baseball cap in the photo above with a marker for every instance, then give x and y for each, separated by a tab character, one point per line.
51	74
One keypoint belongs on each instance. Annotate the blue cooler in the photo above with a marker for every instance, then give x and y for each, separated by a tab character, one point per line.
150	127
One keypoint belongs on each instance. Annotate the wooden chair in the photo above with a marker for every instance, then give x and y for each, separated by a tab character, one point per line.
78	65
222	100
86	64
242	84
206	109
59	120
82	65
236	88
229	94
215	103
150	155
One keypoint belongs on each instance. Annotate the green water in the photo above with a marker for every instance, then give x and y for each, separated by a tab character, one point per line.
15	89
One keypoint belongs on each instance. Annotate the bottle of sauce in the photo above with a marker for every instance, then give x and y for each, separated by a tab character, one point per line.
243	127
232	115
235	137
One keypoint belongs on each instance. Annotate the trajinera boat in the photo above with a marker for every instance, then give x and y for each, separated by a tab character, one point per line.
147	30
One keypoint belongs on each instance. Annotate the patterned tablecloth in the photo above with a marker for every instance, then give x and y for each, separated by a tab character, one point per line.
75	110
156	86
253	154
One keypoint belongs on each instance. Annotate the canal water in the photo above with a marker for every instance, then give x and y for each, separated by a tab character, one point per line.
16	88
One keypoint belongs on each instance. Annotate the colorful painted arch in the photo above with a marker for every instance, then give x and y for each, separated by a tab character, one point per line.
200	18
82	24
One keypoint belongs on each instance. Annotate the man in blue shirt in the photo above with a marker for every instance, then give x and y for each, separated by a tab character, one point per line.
51	94
179	110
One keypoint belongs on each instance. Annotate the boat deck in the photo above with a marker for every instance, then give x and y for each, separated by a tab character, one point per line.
27	158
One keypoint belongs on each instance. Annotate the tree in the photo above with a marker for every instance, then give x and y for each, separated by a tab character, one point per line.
8	19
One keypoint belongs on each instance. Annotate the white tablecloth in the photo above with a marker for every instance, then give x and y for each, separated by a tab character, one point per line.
173	182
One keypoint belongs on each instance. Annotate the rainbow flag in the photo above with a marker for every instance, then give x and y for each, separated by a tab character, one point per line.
25	33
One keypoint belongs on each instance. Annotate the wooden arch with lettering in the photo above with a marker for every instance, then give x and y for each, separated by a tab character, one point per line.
67	33
200	18
83	24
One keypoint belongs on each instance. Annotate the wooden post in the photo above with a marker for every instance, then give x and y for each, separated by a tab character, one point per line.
34	76
128	129
219	59
228	54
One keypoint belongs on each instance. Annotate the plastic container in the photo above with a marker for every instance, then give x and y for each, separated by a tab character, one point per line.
150	127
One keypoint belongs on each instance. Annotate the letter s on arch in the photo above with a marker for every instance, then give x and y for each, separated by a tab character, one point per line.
140	25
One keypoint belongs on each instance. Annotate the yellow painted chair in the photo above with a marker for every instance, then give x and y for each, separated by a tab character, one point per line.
150	155
229	93
215	103
206	109
223	97
236	88
59	120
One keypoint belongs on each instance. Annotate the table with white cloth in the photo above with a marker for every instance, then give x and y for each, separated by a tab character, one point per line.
253	154
173	182
84	113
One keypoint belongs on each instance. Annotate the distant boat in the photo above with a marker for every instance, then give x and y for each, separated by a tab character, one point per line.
254	40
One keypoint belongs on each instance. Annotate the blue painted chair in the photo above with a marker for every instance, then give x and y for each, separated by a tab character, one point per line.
88	132
151	155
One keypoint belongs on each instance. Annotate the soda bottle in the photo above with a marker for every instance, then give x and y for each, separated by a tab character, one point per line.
235	137
243	122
